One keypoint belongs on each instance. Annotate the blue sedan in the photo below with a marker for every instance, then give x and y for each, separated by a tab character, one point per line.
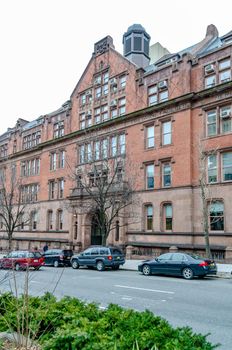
179	264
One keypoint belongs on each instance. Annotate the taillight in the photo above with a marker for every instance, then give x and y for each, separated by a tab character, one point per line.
203	263
110	257
61	257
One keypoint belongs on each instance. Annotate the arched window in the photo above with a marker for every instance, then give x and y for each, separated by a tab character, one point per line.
216	215
34	219
50	220
60	220
167	217
149	217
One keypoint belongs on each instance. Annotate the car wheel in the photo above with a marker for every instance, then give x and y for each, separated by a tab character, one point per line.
100	266
146	270
75	264
187	273
56	263
17	267
115	267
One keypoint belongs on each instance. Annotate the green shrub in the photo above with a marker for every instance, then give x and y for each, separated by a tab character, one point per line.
70	324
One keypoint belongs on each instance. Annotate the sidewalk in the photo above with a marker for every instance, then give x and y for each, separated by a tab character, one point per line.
224	270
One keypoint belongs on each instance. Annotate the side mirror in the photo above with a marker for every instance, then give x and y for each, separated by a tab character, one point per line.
4	256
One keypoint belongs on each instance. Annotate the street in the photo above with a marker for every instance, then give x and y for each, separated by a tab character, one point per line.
204	305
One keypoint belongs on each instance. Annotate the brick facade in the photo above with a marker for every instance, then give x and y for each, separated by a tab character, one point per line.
177	121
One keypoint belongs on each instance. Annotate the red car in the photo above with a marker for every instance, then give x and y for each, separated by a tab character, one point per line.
22	260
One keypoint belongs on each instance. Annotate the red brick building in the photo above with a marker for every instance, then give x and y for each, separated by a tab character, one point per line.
161	117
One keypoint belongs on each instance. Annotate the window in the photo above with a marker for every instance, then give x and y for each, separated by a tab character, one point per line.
97	150
98	92
105	148
122	106
97	115
88	152
105	77
104	112
3	150
166	133
166	175
210	81
83	99
50	220
85	120
224	71
60	220
227	166
105	89
212	168
150	181
122	144
113	146
53	161
114	113
58	129
150	136
163	96
167	216
211	123
51	189
30	167
61	159
61	188
34	220
32	140
82	153
122	82
225	119
29	193
216	216
152	95
149	217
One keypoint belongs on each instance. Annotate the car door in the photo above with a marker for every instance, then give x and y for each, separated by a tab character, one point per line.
163	263
178	261
48	257
85	257
93	256
6	262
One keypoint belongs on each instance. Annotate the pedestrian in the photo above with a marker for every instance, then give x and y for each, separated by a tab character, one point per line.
45	248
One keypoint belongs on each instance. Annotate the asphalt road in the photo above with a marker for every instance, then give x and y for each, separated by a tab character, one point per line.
205	305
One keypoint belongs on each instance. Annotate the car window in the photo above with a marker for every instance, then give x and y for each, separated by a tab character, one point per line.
87	251
166	256
37	254
10	255
116	251
104	251
14	255
94	251
178	257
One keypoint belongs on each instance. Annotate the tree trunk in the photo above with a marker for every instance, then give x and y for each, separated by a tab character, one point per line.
9	242
205	221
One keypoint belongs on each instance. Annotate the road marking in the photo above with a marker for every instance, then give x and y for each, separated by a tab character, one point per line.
145	289
126	298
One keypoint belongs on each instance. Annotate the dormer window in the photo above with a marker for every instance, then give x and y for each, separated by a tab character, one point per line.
224	71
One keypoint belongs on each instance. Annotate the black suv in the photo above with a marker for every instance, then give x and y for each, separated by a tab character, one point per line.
57	257
99	257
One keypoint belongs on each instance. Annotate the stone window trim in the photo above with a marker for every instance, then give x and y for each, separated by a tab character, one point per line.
219	165
223	216
50	219
59	219
145	224
163	216
212	69
218	109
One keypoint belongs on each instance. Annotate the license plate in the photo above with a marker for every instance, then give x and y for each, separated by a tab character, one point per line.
212	265
36	260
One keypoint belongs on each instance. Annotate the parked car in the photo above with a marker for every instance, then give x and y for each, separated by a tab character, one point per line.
22	260
179	264
58	257
99	257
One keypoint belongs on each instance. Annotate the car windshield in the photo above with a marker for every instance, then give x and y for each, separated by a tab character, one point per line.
116	251
196	256
37	254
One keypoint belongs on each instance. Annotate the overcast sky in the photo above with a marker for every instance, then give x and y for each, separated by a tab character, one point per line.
46	44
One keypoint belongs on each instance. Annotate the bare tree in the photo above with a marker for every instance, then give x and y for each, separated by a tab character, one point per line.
12	208
205	182
105	192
